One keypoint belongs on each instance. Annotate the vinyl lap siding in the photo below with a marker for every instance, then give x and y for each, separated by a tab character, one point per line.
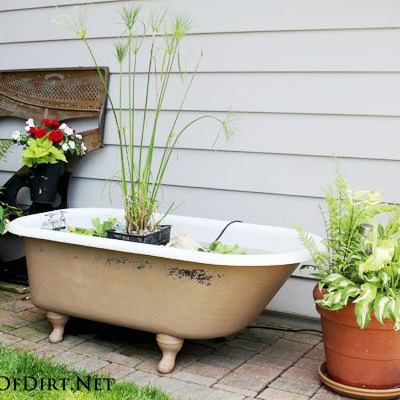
306	80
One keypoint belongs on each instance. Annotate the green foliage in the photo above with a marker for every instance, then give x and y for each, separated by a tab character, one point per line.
99	228
3	221
42	151
19	365
6	211
360	257
219	247
4	147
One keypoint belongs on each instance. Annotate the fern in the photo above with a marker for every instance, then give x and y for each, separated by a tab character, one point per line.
4	147
320	257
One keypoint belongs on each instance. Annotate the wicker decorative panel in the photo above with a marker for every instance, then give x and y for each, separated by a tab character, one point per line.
61	94
56	93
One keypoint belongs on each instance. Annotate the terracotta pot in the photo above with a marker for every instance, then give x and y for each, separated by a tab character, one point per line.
365	358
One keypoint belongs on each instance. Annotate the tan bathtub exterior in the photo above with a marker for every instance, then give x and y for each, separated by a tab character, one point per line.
172	298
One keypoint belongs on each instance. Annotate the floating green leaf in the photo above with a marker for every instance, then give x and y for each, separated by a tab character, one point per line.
99	228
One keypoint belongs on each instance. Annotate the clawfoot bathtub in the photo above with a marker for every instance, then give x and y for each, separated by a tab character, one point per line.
175	293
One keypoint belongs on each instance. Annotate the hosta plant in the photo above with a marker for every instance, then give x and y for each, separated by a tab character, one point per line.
360	259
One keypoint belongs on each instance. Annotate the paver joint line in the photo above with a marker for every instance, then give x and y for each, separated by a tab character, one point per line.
263	364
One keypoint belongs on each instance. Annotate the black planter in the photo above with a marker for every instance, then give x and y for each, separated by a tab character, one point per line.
44	182
160	237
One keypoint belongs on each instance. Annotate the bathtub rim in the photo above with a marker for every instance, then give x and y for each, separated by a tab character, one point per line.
27	226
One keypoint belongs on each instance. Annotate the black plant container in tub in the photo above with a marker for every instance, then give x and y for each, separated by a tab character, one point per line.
161	236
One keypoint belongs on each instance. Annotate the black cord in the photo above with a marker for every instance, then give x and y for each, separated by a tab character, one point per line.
273	328
223	230
266	326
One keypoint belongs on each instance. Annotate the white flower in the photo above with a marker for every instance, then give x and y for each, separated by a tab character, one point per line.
65	146
30	122
78	136
71	144
16	135
83	148
63	126
69	131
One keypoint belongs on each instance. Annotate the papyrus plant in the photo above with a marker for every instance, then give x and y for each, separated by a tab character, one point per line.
361	259
158	40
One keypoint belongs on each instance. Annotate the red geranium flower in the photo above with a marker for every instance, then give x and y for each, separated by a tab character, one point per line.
53	124
47	122
56	136
38	132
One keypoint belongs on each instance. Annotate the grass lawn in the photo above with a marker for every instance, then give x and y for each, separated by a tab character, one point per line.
23	377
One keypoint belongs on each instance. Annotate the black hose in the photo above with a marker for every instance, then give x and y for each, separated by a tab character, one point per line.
223	230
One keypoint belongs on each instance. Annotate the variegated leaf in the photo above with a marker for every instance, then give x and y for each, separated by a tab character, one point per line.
379	258
381	305
368	293
363	313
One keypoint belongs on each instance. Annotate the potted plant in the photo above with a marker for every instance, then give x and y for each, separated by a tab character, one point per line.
358	291
45	149
156	44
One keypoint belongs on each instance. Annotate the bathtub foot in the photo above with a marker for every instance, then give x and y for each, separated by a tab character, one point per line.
58	321
170	347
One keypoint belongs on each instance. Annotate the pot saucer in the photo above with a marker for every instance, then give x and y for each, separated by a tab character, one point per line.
355	392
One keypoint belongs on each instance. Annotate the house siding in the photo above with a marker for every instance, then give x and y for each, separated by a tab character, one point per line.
306	80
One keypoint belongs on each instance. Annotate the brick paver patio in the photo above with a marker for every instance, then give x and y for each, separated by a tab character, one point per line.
253	364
